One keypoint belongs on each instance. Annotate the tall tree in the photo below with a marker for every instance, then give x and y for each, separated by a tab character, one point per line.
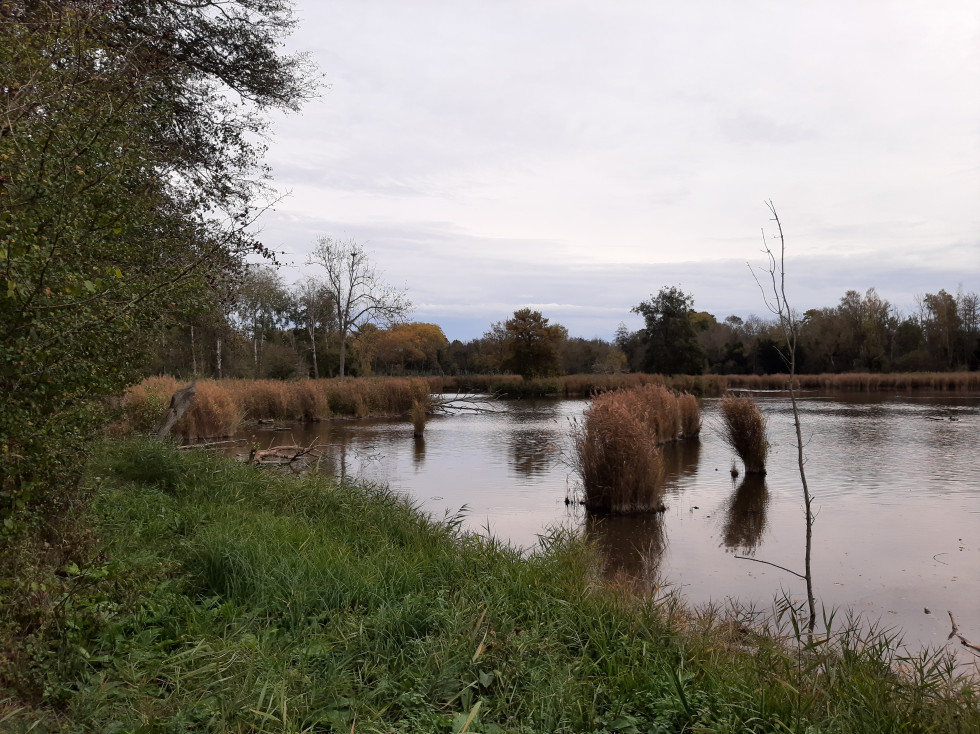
359	292
532	344
314	313
129	176
670	337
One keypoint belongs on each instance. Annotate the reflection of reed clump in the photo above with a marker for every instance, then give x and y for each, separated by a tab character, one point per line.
630	546
747	515
616	448
744	430
532	451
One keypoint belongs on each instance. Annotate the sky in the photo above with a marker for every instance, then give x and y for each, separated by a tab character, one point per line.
578	156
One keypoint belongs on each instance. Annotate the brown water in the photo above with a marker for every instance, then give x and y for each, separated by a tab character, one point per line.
896	488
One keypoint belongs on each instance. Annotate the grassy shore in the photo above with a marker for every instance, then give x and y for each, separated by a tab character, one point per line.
198	594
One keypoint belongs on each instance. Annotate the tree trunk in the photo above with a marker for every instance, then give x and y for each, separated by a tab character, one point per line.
179	403
343	353
219	358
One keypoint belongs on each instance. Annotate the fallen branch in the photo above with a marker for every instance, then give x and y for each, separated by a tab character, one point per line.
770	563
281	455
956	633
208	445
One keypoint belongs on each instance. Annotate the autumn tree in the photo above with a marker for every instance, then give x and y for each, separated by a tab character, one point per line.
359	293
670	338
532	344
413	346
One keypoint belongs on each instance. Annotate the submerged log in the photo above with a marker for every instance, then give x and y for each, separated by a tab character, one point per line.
179	404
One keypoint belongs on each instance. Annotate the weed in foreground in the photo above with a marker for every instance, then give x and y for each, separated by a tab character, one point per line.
240	599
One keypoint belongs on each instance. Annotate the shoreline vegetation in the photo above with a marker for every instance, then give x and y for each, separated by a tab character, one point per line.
221	406
197	593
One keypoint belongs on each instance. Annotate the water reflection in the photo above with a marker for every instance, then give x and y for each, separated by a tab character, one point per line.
680	460
532	451
631	546
746	517
418	453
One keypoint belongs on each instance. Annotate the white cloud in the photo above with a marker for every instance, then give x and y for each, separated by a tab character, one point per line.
583	154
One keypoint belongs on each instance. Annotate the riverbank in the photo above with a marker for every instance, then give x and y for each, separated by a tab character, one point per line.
197	593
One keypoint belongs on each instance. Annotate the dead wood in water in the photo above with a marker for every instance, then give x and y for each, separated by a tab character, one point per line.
179	404
956	633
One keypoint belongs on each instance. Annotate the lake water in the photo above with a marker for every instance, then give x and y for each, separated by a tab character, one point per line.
896	488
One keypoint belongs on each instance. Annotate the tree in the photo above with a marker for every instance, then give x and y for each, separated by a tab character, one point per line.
532	344
129	177
262	306
941	322
359	293
670	337
315	308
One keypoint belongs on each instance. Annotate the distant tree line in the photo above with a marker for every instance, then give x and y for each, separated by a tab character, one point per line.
272	330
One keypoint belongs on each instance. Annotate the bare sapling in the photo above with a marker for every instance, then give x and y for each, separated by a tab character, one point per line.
744	431
778	304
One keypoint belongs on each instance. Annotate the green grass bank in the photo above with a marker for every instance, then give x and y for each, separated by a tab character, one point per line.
197	594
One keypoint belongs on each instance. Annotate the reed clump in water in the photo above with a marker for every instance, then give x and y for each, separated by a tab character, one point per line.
616	446
744	430
690	415
618	458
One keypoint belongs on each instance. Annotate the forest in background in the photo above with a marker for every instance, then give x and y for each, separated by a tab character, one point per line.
268	329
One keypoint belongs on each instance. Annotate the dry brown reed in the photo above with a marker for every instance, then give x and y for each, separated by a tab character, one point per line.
617	457
220	406
744	430
616	446
419	416
690	415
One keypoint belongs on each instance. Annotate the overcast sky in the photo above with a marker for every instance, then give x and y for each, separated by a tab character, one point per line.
577	156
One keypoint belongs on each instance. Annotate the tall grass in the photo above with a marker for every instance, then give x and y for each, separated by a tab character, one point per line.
224	598
744	431
222	405
616	446
690	415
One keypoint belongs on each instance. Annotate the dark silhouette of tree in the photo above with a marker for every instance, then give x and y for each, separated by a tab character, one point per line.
670	338
532	344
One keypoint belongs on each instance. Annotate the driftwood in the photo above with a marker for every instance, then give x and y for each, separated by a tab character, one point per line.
281	454
179	404
956	633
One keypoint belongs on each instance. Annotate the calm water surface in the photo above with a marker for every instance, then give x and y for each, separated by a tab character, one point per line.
896	488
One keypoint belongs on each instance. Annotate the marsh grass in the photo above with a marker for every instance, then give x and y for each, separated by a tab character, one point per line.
221	406
221	597
690	415
616	446
743	429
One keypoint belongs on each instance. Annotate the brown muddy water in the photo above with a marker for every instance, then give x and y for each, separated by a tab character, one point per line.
896	487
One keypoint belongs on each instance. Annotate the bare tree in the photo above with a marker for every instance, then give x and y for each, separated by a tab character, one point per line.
777	303
359	293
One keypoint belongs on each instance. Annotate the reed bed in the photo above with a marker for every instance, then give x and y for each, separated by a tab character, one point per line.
220	406
744	430
578	386
616	446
